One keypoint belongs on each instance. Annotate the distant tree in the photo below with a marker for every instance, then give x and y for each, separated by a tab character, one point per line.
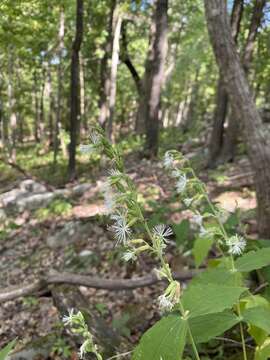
154	76
75	91
241	99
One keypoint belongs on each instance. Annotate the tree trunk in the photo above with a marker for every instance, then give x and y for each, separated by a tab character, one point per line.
11	106
220	113
232	133
114	67
61	34
75	91
154	76
82	95
36	120
104	72
41	104
51	106
242	102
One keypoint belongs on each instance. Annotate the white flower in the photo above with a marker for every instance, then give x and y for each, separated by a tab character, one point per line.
86	149
162	231
236	245
187	201
198	219
168	160
177	173
114	172
67	319
120	228
203	232
181	183
165	304
95	137
129	255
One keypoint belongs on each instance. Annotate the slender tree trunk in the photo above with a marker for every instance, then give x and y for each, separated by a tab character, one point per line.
220	113
232	133
82	95
11	105
191	112
41	104
75	91
154	76
37	115
114	67
51	106
104	71
242	102
61	34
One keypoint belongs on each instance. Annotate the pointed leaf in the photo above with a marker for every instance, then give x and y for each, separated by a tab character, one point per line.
209	299
217	276
165	340
205	328
6	350
201	249
258	316
263	352
253	260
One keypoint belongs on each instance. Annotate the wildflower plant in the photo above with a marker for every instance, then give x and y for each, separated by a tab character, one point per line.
78	326
215	300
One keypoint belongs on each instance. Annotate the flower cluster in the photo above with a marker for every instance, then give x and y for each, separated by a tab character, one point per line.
78	326
193	194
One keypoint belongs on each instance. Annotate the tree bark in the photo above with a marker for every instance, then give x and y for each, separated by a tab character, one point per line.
242	102
220	113
75	91
154	76
104	72
114	66
61	34
11	106
232	133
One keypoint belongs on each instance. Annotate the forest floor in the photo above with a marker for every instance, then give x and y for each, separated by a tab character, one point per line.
34	242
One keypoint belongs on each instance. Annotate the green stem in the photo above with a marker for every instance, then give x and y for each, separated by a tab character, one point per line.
197	356
182	310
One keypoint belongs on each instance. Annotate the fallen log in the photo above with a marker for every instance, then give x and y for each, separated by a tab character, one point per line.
53	278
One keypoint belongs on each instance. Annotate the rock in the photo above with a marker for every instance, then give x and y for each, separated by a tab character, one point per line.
10	197
72	232
33	202
32	186
3	215
80	189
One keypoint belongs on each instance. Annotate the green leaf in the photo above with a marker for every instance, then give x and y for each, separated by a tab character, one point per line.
181	231
205	328
258	316
6	350
209	299
253	260
263	351
201	249
218	275
165	340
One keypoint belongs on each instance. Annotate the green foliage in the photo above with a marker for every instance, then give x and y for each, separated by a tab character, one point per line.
217	324
165	340
6	350
201	249
253	260
58	207
208	299
182	232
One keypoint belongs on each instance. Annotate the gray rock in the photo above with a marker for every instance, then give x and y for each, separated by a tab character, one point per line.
32	186
70	233
80	189
33	202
